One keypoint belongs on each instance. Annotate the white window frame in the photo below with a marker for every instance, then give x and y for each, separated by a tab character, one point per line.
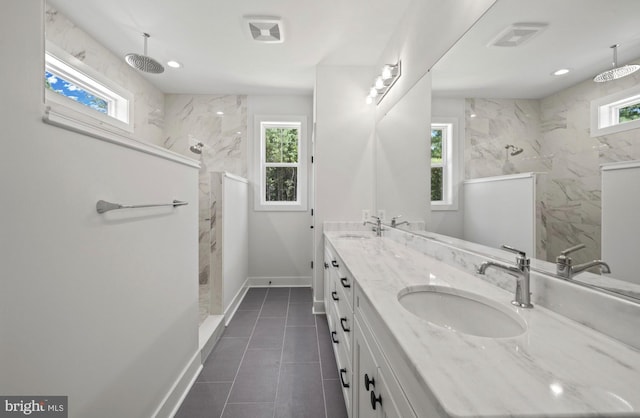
450	163
605	112
261	123
120	101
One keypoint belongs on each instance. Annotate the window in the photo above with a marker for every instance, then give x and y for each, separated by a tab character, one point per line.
283	169
438	161
443	164
616	113
71	84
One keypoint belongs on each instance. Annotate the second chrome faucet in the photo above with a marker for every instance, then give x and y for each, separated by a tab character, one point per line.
522	298
566	269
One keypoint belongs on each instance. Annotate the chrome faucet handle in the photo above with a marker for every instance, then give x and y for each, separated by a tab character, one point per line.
572	249
514	250
396	217
521	259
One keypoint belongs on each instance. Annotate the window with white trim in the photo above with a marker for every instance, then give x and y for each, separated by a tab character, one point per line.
616	113
282	165
443	162
89	95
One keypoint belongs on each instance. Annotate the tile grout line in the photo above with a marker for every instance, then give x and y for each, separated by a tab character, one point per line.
324	395
226	401
284	335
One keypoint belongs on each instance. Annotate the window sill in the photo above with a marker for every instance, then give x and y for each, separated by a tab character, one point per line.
58	117
443	206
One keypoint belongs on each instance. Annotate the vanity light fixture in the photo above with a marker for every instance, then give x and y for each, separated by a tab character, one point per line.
616	72
382	84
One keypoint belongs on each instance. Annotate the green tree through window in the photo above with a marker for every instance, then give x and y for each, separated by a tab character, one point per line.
629	113
281	158
436	165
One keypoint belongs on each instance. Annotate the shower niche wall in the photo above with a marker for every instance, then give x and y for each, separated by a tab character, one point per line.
223	241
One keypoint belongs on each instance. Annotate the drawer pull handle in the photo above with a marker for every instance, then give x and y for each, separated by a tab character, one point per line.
345	283
368	382
334	263
334	296
326	266
335	340
342	322
375	400
342	373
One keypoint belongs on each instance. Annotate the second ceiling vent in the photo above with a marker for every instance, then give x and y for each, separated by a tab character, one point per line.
265	29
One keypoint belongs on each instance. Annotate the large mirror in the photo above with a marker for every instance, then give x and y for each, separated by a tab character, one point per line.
498	82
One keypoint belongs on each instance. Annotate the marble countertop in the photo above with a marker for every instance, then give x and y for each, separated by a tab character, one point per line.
557	367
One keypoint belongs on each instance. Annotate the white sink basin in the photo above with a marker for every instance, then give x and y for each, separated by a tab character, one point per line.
461	311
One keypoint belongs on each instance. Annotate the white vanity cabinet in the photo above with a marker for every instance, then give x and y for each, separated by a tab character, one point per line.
338	293
377	394
356	350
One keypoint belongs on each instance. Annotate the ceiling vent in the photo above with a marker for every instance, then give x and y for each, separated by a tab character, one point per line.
517	34
265	29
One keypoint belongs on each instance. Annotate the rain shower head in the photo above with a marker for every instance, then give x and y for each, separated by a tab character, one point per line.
143	62
616	72
514	150
196	148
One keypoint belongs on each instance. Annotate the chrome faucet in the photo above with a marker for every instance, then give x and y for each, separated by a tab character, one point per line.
566	269
377	225
521	271
395	223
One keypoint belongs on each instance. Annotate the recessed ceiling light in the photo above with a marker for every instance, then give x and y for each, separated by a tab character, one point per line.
473	115
561	71
174	64
219	113
239	133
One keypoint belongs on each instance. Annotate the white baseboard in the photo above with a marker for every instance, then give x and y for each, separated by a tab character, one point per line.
287	281
235	302
210	332
318	307
173	399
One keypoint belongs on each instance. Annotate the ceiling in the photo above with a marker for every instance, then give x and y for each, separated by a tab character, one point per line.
578	37
210	39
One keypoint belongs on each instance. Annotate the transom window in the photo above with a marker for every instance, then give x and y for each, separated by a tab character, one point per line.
282	164
75	86
616	113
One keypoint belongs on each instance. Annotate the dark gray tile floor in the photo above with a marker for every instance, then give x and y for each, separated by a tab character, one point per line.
274	360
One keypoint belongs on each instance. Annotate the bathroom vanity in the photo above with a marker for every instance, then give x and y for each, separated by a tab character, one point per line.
475	354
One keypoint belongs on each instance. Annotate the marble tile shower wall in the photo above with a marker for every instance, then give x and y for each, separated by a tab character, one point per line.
149	101
555	135
193	118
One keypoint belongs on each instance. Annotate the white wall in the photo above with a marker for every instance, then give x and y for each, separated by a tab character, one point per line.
344	156
280	243
403	156
450	222
101	308
426	32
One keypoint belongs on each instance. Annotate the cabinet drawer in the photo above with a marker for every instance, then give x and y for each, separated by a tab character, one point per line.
345	374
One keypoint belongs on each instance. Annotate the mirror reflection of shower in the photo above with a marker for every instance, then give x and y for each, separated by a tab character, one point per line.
514	150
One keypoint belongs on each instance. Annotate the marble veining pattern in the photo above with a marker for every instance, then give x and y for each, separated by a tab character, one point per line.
192	118
148	100
555	135
557	367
